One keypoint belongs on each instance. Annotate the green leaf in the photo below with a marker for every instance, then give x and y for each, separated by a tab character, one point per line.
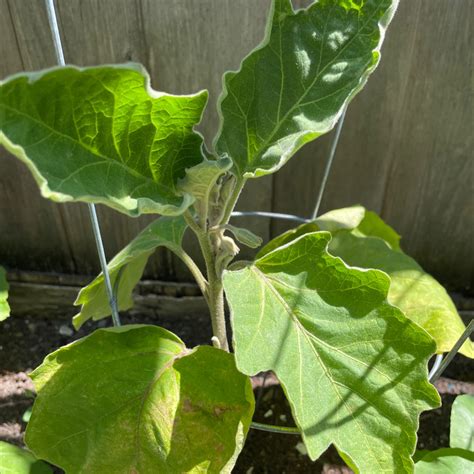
294	86
446	461
415	292
14	460
133	399
4	306
352	366
374	244
102	135
245	236
462	423
126	269
200	181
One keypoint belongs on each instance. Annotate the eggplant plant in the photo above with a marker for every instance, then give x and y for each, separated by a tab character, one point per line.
344	318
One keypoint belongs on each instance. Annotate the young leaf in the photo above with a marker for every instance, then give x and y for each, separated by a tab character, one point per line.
352	366
446	461
200	180
245	236
462	423
294	86
4	306
374	244
102	135
126	269
15	460
134	399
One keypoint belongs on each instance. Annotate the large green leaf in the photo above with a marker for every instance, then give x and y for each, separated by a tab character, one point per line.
126	269
135	400
366	241
353	366
462	423
446	461
4	306
294	86
102	135
14	460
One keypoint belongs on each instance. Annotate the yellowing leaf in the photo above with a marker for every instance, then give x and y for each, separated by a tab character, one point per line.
135	400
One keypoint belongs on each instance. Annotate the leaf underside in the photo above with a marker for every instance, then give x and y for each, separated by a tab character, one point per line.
126	269
294	86
101	134
363	240
4	306
135	400
352	366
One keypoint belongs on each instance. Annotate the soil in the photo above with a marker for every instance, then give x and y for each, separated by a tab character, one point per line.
24	342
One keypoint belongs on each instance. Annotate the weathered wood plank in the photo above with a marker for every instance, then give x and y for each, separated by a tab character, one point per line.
406	148
32	235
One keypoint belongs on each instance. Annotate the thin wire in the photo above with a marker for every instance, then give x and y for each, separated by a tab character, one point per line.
450	356
58	47
275	215
436	364
329	163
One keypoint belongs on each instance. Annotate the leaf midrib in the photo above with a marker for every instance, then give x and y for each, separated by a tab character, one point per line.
317	76
309	336
106	159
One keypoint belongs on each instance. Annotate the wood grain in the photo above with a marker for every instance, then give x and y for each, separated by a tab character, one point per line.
405	150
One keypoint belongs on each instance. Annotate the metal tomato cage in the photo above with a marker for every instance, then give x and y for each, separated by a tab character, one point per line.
439	364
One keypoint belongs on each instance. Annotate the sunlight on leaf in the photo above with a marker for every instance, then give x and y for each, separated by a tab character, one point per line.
353	367
102	135
126	269
4	306
134	399
293	87
365	241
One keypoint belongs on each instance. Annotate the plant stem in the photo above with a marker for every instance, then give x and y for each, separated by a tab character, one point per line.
230	205
215	288
194	269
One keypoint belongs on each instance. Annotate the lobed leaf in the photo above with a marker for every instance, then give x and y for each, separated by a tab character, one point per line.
102	135
462	423
4	306
294	86
352	366
135	400
126	269
365	241
14	460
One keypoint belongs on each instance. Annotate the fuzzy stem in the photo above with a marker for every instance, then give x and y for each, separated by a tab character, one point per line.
215	288
194	269
230	205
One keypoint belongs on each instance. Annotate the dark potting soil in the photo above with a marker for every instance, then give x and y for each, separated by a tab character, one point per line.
24	342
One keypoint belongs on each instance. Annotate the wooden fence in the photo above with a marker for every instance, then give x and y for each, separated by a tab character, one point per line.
405	151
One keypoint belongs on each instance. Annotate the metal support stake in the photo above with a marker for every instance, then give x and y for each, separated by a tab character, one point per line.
58	47
450	356
332	152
